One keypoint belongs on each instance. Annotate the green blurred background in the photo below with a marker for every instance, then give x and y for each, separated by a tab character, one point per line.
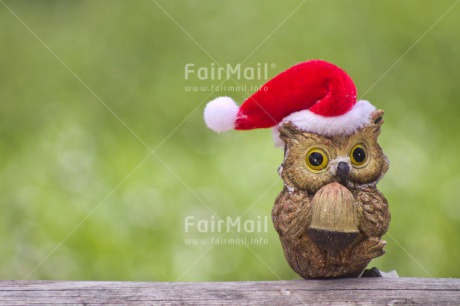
84	198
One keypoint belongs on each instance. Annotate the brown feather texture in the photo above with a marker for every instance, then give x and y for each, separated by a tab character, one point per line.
330	217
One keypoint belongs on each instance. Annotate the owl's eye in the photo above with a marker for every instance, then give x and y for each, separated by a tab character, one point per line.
358	155
317	159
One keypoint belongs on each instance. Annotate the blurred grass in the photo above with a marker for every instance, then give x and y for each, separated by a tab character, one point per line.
68	168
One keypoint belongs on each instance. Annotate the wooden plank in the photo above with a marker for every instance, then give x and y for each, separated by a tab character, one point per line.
366	291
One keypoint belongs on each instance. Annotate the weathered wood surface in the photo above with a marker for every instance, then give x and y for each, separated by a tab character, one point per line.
366	291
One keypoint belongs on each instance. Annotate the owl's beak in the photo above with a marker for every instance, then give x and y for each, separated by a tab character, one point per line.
342	171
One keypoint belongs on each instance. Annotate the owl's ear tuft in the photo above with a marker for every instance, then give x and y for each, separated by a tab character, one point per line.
287	131
376	117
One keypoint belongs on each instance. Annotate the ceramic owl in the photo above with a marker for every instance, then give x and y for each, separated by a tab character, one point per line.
330	217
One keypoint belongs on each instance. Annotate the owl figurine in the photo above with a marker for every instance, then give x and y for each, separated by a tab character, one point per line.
330	217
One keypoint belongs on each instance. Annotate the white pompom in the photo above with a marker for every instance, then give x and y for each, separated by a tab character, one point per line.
220	114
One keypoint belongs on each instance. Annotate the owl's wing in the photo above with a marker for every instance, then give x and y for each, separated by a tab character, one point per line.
291	214
374	216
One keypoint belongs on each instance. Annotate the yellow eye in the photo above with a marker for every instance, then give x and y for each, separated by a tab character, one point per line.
358	155
316	159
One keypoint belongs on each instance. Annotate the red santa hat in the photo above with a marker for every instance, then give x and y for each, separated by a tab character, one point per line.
315	96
